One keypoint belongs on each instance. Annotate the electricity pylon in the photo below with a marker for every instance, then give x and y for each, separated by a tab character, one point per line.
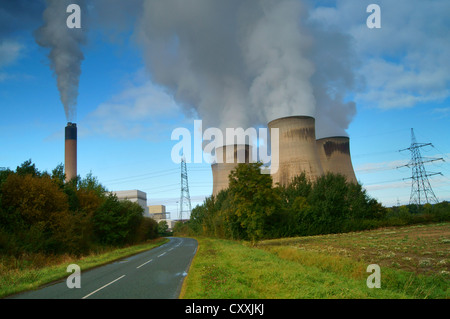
421	191
185	198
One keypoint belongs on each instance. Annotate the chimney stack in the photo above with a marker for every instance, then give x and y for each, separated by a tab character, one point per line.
70	165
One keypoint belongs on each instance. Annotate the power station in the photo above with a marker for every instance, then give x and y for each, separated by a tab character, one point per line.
334	155
298	151
231	156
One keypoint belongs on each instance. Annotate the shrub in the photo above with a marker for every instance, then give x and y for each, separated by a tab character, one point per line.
39	212
36	211
116	222
148	229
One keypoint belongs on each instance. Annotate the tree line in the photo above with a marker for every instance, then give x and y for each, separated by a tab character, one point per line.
40	212
252	208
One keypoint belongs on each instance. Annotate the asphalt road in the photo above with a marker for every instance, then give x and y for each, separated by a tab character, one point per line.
154	274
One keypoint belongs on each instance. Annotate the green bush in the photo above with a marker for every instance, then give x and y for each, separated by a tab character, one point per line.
39	212
148	229
115	222
252	209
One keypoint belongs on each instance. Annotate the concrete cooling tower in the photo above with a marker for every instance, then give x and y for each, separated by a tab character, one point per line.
297	149
70	156
334	154
236	154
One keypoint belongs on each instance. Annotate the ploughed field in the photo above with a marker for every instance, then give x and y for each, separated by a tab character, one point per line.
414	263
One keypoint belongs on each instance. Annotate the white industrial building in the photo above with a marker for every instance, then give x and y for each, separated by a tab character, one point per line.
135	196
158	213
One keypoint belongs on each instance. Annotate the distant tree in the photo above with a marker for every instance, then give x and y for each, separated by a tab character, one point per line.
58	175
116	222
27	168
91	182
163	227
148	229
300	186
4	175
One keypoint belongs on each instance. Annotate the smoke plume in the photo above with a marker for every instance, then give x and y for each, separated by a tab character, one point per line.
244	63
65	50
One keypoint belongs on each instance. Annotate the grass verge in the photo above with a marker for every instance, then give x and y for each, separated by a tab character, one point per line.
329	266
32	271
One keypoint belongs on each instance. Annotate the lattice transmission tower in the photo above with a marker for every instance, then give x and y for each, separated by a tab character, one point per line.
185	198
421	191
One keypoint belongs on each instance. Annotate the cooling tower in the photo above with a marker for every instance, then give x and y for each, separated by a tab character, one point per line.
221	171
334	154
70	159
297	149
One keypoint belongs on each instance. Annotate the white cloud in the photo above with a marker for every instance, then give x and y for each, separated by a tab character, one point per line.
443	112
381	166
9	52
139	111
406	61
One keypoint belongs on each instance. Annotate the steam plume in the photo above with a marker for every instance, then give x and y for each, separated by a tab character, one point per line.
245	63
65	52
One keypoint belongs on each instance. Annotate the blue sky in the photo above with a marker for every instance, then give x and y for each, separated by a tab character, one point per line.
125	117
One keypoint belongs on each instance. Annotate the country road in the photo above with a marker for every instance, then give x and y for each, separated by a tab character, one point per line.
154	274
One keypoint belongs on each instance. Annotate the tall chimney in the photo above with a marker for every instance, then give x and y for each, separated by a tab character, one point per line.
71	151
334	154
297	149
237	153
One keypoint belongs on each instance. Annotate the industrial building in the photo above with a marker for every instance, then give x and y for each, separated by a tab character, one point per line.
296	148
334	154
157	212
135	196
298	151
231	155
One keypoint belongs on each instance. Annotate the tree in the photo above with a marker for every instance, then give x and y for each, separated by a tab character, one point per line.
37	211
163	228
329	201
26	168
252	202
58	175
116	222
91	182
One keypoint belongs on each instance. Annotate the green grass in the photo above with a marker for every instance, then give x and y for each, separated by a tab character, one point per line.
329	266
32	271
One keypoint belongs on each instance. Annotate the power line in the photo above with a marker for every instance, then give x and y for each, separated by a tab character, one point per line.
421	190
185	198
142	176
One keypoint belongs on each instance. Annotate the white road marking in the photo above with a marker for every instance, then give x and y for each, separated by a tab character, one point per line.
144	264
162	254
102	287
